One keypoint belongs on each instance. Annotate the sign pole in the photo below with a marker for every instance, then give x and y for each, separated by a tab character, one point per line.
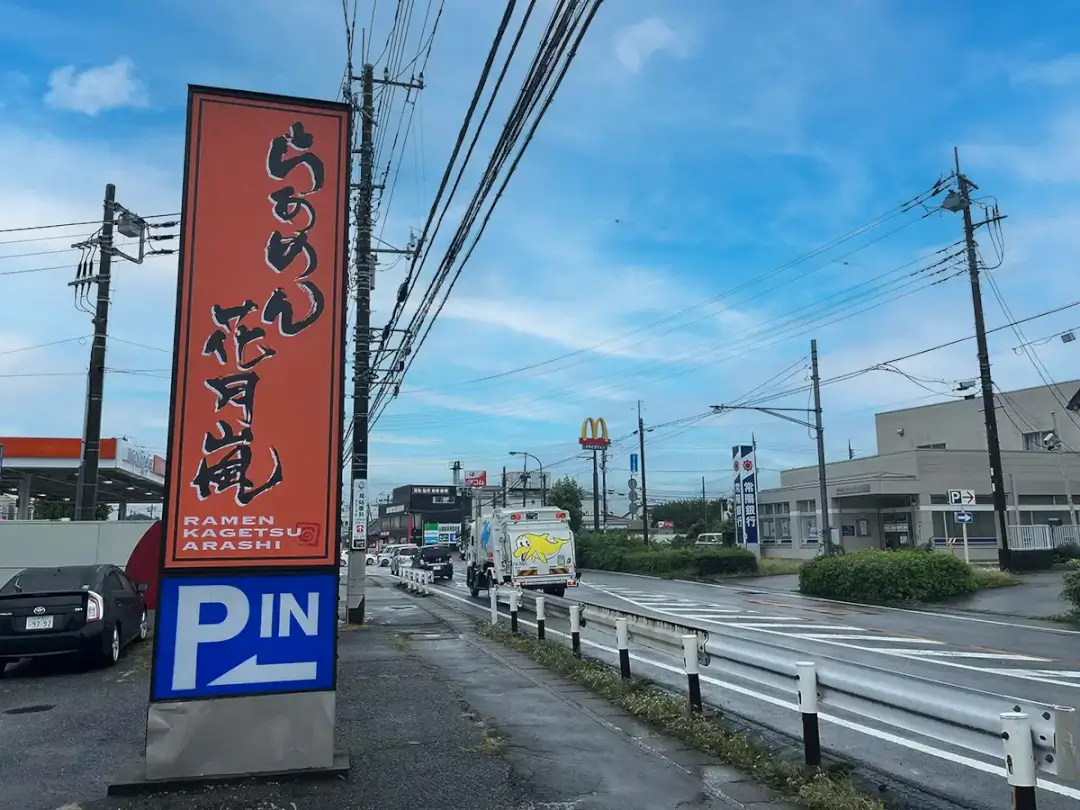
967	556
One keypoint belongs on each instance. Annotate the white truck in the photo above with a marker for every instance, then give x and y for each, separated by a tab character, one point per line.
529	548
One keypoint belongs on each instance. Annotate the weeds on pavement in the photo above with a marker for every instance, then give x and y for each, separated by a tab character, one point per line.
813	788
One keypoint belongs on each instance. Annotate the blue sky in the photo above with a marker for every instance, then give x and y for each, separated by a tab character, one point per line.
695	148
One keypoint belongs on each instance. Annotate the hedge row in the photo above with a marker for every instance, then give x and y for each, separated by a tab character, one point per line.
1071	590
887	576
615	551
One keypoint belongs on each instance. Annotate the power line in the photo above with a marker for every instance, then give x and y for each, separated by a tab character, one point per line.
73	224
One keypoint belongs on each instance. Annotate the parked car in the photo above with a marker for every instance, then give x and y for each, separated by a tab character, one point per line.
370	559
89	610
386	556
403	558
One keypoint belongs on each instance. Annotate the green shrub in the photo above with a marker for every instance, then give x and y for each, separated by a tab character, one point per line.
1071	590
616	551
887	576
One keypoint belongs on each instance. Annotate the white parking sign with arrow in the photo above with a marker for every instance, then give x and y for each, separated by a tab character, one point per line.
961	497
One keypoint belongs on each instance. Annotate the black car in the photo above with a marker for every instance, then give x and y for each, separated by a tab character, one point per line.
436	559
92	610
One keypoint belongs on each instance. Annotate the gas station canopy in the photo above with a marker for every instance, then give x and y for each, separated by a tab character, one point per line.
49	468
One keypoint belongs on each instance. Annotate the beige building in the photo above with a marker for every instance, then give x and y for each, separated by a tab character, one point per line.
898	498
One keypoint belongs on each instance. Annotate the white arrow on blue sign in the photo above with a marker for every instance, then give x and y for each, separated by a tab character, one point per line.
231	635
962	517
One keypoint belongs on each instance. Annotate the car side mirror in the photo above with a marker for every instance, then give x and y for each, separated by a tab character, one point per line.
142	587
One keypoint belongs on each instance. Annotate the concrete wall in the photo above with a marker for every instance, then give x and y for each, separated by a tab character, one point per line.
960	424
30	543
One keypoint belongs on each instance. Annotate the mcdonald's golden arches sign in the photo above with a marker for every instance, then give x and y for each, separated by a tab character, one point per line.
594	434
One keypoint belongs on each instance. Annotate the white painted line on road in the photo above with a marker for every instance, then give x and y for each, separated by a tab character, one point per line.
755	625
889	639
796	595
770	630
1040	675
884	736
966	654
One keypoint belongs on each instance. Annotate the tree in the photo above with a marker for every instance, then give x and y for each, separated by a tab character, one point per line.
58	510
688	514
566	493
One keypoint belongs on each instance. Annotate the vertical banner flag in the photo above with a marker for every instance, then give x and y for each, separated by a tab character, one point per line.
253	489
737	504
748	494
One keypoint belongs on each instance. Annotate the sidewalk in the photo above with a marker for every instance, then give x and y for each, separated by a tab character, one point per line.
437	719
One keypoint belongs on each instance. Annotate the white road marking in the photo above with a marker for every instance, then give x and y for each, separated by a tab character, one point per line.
887	639
966	654
755	625
884	736
935	614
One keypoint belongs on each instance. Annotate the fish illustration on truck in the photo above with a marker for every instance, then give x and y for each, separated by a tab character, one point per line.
530	548
538	547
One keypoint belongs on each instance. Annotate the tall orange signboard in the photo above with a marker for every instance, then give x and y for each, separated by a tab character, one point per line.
247	602
255	448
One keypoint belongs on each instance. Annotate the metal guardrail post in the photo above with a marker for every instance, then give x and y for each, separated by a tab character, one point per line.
806	675
540	618
575	630
493	596
622	641
1019	759
514	597
690	664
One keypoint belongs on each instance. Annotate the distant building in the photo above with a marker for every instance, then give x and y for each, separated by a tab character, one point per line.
898	498
416	511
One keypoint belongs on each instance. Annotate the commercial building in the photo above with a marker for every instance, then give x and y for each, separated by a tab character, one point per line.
419	513
899	497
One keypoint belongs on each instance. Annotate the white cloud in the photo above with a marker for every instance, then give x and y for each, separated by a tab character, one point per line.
97	89
1059	72
636	44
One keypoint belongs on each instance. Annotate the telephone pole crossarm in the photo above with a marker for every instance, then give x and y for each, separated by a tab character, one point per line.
777	412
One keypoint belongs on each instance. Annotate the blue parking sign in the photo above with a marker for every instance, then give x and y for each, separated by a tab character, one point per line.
219	635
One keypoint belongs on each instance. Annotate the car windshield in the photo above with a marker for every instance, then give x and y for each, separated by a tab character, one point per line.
34	580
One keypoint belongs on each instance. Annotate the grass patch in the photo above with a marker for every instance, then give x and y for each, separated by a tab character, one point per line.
777	566
813	788
990	578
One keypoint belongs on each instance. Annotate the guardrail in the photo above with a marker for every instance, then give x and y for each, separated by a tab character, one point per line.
416	580
1033	737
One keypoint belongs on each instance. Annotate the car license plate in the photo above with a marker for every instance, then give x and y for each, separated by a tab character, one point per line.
39	622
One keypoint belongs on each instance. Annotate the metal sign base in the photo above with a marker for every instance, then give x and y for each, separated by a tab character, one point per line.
201	740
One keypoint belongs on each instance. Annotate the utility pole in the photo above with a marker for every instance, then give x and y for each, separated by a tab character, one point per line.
86	493
1058	448
644	495
595	491
603	483
704	505
993	443
455	469
823	488
130	225
362	341
504	488
362	372
524	480
850	451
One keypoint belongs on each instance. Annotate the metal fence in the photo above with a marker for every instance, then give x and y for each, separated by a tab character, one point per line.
1032	737
1031	538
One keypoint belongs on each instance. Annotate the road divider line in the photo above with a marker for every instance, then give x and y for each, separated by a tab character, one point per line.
888	639
884	736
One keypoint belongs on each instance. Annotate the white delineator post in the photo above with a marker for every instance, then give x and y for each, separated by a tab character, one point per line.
1019	759
515	597
575	630
622	641
806	675
493	595
690	664
541	619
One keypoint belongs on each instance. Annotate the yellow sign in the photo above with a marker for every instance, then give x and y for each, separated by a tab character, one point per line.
594	433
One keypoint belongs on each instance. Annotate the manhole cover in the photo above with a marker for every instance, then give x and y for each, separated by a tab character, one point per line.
40	707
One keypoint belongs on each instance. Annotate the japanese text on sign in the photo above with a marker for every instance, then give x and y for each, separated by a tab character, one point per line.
256	411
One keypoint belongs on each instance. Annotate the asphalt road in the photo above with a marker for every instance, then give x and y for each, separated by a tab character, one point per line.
1027	660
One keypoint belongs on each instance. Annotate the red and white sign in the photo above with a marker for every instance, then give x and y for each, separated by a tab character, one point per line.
665	524
476	478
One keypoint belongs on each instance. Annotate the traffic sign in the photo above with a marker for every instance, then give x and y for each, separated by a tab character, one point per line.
633	462
224	635
961	497
963	517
